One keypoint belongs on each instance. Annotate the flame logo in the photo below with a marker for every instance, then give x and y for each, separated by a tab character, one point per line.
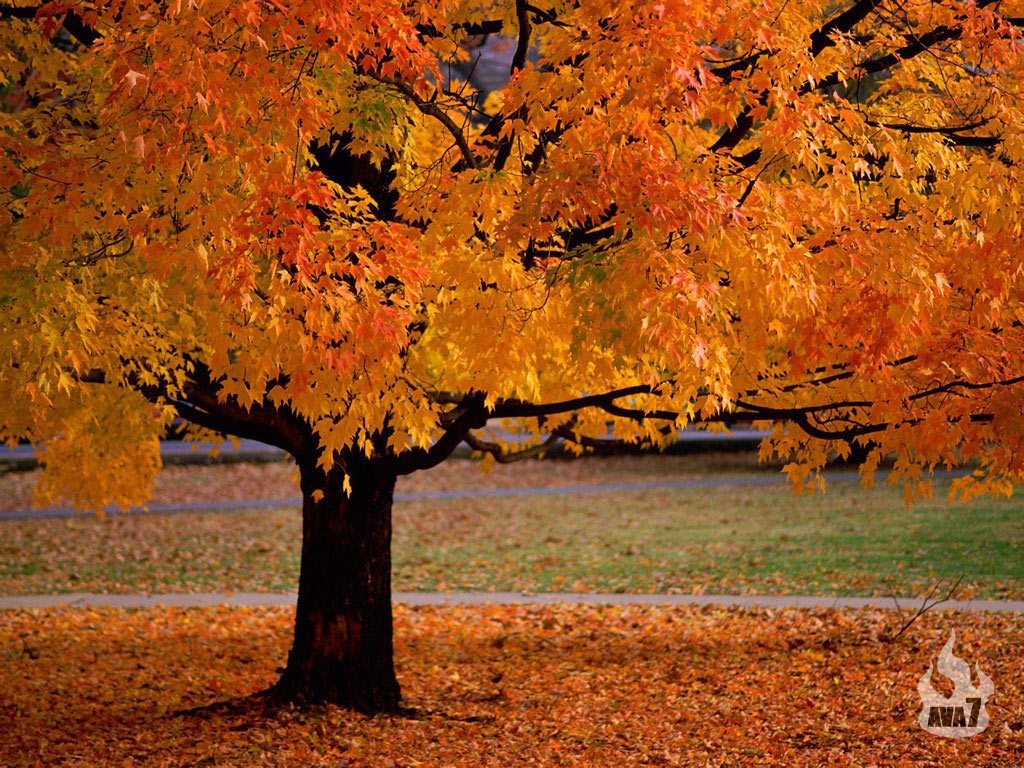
963	713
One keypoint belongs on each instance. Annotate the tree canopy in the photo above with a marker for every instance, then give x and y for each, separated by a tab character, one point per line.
288	221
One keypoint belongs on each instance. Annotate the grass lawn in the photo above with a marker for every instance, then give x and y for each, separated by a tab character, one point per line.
714	540
505	685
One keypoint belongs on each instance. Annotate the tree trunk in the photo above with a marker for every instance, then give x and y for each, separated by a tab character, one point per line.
342	649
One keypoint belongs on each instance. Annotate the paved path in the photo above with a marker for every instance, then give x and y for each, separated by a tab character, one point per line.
505	598
833	476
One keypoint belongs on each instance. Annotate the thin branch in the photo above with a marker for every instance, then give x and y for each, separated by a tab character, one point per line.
507	457
960	384
512	408
726	72
431	109
918	128
924	608
605	443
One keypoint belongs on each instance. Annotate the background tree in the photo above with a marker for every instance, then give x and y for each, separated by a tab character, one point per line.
286	222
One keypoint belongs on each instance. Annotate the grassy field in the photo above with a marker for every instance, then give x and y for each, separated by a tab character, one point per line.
714	540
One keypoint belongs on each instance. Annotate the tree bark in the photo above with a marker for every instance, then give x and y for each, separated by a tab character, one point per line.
342	648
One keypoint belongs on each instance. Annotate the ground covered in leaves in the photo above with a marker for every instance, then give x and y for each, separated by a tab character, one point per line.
706	539
509	685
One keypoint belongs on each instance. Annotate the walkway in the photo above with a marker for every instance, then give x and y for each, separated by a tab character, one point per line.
505	598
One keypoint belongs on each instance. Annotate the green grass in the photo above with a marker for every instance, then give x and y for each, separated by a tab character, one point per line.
715	540
719	540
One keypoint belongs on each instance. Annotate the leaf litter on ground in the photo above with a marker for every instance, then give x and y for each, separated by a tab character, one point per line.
505	685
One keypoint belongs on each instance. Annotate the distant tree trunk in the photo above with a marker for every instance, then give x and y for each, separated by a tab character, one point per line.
342	649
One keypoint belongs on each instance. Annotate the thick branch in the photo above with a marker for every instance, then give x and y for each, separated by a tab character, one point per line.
259	421
219	423
917	45
820	40
469	28
525	30
200	405
844	22
469	414
808	417
504	149
72	22
12	12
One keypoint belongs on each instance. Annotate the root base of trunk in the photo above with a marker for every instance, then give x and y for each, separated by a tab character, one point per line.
362	698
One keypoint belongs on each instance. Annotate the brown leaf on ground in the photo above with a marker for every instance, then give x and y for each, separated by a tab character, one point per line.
505	685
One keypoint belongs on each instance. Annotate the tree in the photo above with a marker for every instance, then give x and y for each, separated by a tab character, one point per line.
286	222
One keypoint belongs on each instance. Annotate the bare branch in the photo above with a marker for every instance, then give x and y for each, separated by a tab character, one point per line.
924	608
